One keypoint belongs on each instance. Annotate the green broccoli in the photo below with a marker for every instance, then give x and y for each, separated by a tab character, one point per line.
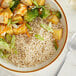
31	14
14	4
45	13
57	13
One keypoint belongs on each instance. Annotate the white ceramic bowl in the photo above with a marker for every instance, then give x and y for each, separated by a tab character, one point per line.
55	5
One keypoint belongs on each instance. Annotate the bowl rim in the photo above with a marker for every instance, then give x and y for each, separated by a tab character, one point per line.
55	57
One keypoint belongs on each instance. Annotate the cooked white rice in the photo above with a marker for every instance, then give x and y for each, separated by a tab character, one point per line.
32	51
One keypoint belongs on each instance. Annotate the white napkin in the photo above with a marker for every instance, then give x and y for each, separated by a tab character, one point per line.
69	67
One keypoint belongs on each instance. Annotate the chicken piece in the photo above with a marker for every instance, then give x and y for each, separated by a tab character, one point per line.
20	30
21	9
5	29
27	2
5	3
2	27
17	18
2	30
4	17
57	34
40	2
10	14
54	19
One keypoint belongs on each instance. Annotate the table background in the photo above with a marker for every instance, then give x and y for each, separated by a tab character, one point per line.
52	69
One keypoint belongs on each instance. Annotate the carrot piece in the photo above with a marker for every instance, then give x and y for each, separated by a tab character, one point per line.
28	34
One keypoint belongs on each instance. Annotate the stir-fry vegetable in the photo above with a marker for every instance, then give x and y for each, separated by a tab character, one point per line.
9	22
1	53
28	26
48	28
45	13
31	14
12	42
57	13
15	3
56	45
8	38
14	22
12	4
12	45
39	37
35	3
16	52
4	45
2	39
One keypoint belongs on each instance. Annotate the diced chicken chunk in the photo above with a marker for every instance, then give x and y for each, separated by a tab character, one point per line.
27	2
5	3
2	27
4	17
10	14
57	34
20	30
5	29
54	19
21	9
17	18
2	30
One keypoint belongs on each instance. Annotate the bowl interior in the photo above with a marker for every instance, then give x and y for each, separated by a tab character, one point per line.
54	5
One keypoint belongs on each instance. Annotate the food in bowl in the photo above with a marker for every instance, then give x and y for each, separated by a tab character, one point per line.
30	32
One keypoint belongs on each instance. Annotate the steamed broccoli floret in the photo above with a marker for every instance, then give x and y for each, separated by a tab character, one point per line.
45	13
57	13
31	14
14	4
